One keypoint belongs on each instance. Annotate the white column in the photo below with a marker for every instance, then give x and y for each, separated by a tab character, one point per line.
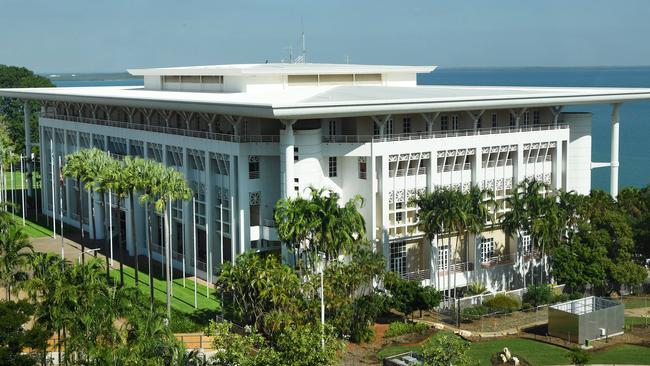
384	211
519	167
233	208
557	166
209	210
188	211
373	197
613	186
477	169
27	109
286	161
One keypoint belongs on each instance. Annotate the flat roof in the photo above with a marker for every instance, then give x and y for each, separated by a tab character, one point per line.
336	101
280	69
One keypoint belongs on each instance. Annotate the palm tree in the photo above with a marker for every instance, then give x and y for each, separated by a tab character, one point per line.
76	166
320	224
115	179
131	175
150	174
15	250
430	217
527	204
172	187
102	165
478	206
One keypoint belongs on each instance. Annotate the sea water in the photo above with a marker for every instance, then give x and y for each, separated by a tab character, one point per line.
635	116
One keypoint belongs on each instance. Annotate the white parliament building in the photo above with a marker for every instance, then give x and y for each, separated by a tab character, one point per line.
248	135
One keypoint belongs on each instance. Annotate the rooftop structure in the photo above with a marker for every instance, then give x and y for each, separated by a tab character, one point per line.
248	135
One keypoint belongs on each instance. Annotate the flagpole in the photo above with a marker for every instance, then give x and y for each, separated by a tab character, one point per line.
110	223
196	299
61	208
208	260
22	187
11	181
53	191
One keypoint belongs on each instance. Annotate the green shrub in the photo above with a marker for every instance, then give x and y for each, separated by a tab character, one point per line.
502	303
537	295
473	312
475	288
579	356
398	328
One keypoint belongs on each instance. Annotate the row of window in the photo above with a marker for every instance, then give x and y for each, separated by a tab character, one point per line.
445	123
398	253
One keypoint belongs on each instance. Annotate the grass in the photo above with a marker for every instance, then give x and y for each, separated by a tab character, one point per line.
183	297
636	320
623	354
33	229
17	180
538	353
636	302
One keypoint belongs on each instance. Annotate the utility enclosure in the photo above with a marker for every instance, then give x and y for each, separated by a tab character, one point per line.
585	319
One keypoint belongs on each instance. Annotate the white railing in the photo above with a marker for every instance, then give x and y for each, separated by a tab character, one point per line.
168	130
253	175
438	134
496	260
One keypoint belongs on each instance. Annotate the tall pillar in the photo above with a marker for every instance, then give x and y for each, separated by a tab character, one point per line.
286	162
613	186
27	109
385	222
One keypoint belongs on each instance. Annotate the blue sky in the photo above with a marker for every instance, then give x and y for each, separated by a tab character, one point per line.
112	35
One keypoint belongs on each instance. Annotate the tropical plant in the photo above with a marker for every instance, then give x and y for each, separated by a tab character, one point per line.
445	349
114	179
579	356
15	250
537	295
476	288
399	328
100	163
14	336
502	303
133	171
320	224
76	166
264	293
472	313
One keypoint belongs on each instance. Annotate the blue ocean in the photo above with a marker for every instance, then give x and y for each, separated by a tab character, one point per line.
635	117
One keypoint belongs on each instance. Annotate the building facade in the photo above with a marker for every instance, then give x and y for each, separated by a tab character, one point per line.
248	135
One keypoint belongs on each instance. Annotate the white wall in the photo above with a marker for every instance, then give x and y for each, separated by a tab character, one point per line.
579	152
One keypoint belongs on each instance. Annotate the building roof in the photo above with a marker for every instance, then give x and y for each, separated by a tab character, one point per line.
281	69
332	101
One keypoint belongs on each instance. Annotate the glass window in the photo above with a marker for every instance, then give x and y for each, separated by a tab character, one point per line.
407	125
332	166
398	257
495	120
526	119
444	123
536	120
253	167
362	168
454	123
295	154
332	128
443	258
487	249
389	127
513	122
399	215
526	243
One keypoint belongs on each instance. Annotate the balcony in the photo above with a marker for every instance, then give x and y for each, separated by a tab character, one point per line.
454	167
360	139
425	274
499	260
167	130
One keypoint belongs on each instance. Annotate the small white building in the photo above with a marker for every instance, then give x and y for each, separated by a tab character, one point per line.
248	135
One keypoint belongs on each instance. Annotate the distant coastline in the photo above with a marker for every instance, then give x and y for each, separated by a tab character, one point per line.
99	76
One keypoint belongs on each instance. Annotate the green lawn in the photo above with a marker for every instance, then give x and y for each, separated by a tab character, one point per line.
17	178
183	299
636	320
623	354
637	302
538	353
33	229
